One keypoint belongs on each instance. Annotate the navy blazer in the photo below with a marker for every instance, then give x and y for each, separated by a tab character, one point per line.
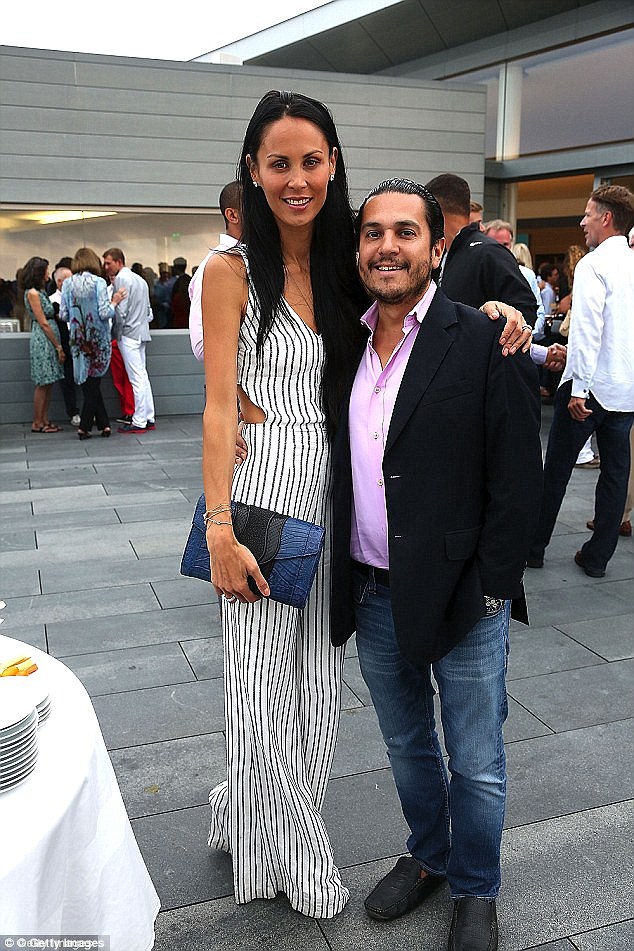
462	470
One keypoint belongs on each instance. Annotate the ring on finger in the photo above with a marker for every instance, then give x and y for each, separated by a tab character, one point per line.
230	598
527	327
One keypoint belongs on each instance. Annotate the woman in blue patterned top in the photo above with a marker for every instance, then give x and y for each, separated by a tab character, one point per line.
85	305
47	355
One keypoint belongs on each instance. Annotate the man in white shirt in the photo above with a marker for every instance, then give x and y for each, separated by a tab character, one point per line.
59	276
596	394
132	331
231	208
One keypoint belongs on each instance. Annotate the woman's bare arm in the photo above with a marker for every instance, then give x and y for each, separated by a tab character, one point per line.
224	299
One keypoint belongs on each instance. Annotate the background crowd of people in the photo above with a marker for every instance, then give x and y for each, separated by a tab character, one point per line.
87	317
167	289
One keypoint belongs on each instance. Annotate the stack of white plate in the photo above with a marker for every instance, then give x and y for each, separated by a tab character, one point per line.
38	686
44	708
18	731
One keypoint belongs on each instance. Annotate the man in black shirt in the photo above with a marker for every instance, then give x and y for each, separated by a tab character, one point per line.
476	268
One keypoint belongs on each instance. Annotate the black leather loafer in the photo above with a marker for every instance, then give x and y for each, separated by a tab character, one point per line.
474	926
591	572
401	890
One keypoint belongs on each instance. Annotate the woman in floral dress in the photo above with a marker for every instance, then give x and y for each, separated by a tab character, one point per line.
47	355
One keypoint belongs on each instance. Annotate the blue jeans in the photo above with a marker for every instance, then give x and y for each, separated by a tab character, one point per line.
567	436
455	825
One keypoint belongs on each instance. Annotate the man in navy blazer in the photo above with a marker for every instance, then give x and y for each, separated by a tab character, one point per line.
437	476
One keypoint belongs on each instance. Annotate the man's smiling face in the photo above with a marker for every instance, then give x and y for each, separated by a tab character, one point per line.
396	256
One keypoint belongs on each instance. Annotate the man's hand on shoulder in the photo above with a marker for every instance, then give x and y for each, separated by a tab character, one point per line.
517	333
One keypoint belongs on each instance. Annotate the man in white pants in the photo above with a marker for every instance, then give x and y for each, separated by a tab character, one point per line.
133	316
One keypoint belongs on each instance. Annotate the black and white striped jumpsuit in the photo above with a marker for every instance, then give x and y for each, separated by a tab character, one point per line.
282	675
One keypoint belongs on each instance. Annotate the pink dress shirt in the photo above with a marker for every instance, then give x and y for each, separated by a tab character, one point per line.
372	402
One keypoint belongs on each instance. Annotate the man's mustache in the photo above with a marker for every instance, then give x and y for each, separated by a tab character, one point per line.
388	262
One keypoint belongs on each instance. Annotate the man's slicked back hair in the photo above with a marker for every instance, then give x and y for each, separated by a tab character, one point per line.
404	186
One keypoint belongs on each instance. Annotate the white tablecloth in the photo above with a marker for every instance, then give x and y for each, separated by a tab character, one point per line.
69	862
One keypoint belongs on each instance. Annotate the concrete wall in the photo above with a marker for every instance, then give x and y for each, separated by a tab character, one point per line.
86	130
177	379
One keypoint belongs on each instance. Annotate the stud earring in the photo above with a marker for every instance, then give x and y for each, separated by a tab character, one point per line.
332	177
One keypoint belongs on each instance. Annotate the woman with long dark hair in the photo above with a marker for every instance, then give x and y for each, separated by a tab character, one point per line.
84	304
281	326
46	352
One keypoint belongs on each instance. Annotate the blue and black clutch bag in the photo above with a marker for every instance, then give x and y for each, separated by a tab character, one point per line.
286	549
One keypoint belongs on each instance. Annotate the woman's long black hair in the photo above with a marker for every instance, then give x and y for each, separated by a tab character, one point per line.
338	296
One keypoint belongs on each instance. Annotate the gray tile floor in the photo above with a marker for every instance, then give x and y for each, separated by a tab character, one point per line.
91	537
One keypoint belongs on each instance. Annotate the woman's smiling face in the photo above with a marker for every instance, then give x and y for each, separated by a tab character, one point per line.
293	166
